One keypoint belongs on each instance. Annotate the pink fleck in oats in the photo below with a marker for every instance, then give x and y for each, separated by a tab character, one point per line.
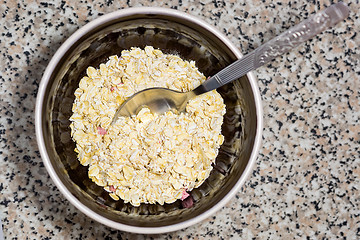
101	131
184	195
188	202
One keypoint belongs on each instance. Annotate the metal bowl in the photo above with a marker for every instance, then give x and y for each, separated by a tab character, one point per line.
173	32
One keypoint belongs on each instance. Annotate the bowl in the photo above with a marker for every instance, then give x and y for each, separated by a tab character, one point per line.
172	32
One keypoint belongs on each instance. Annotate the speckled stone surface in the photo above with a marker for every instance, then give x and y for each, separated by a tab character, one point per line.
305	183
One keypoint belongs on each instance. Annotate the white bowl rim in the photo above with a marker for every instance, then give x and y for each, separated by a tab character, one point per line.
39	105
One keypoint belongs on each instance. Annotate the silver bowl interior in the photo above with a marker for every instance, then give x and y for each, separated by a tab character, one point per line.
171	35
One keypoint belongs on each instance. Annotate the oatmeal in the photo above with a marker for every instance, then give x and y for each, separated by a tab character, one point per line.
147	158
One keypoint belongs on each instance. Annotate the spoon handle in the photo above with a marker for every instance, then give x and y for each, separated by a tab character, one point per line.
277	46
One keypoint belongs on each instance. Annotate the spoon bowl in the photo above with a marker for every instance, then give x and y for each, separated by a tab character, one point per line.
158	100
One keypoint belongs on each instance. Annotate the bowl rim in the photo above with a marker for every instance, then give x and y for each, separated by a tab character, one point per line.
40	101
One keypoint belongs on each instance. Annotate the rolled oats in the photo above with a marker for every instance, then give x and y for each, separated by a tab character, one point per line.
147	158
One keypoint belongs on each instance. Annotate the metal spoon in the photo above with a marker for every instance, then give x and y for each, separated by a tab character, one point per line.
160	100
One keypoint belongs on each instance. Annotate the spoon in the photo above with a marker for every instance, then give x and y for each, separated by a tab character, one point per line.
160	100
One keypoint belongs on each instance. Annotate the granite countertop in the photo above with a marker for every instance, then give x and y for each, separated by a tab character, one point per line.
306	180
